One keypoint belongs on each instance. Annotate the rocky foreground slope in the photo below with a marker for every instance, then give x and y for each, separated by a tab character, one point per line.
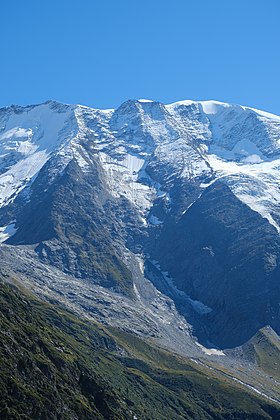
57	366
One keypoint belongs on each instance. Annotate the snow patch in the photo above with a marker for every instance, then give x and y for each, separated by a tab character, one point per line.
252	159
7	231
16	132
198	306
122	178
256	184
27	140
154	220
144	100
211	352
18	176
244	150
212	107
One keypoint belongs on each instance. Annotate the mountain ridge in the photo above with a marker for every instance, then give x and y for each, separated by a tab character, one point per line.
108	187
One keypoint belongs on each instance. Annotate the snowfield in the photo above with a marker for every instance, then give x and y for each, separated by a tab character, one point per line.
209	140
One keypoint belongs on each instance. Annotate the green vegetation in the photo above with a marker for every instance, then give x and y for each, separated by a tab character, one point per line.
56	366
265	348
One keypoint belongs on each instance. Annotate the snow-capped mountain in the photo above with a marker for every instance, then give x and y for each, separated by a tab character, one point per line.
191	140
187	192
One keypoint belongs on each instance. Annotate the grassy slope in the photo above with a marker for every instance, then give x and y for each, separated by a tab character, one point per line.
56	366
265	348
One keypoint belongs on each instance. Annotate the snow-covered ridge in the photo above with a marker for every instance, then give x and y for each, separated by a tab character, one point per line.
193	140
28	136
213	107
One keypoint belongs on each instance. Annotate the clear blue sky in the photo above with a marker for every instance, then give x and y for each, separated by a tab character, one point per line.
103	52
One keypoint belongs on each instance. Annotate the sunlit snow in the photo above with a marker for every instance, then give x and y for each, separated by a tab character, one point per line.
196	140
7	231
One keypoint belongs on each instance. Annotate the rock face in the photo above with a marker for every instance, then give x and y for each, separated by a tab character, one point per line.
226	256
75	226
187	192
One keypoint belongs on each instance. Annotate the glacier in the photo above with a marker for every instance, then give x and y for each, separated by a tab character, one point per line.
195	140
